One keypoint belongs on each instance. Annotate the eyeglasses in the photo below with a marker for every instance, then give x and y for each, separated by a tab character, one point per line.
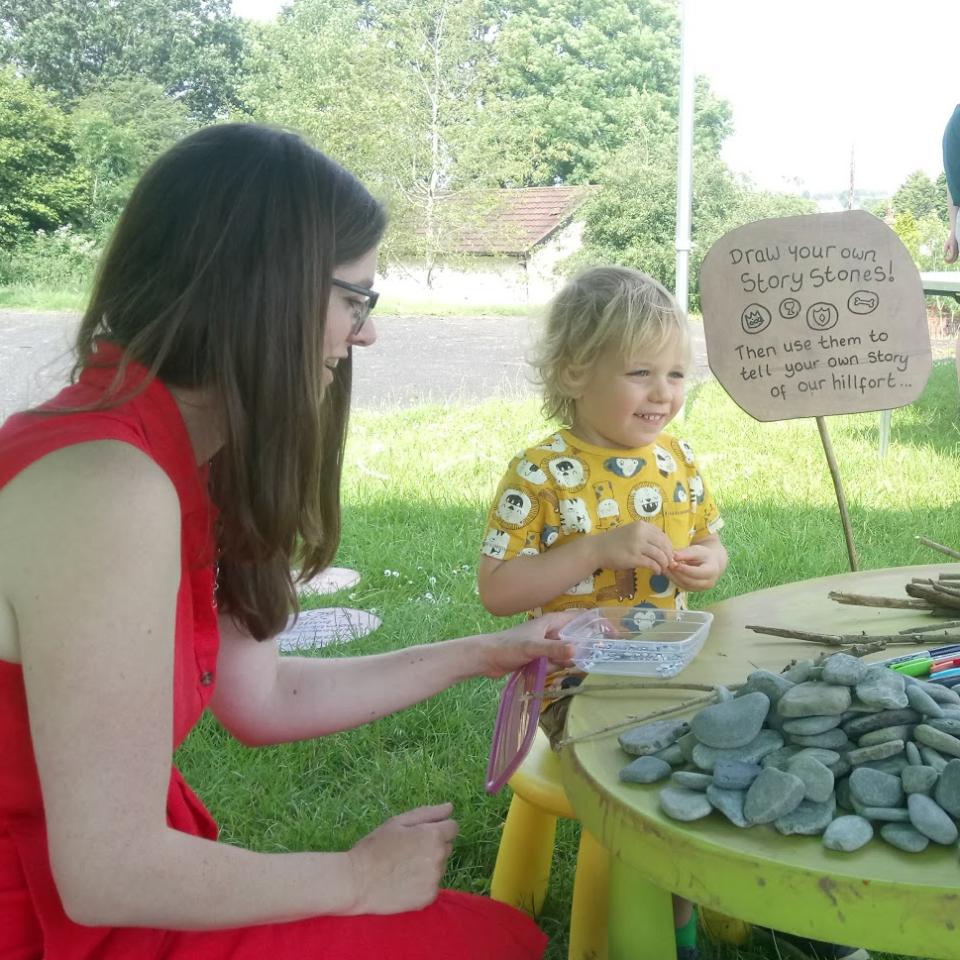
360	309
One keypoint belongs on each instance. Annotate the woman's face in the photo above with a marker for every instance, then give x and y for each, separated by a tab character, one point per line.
343	307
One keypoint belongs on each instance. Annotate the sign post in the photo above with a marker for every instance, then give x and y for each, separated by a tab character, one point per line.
815	316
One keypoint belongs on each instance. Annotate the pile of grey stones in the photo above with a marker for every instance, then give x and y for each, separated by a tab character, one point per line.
838	749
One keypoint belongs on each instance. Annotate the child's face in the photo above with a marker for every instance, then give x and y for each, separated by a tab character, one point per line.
628	401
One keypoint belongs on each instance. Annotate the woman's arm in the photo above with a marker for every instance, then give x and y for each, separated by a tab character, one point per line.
91	567
264	698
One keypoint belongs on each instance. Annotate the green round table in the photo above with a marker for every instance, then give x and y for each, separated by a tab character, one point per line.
876	897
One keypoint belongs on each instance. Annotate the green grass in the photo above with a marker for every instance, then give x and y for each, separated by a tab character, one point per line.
415	495
33	297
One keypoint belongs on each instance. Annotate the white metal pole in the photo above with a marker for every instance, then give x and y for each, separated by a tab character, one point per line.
684	158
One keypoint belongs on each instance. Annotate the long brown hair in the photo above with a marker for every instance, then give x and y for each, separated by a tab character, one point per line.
218	276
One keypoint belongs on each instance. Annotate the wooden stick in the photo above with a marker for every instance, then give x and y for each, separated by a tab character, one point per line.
950	576
934	628
637	719
933	545
838	487
863	600
840	639
932	596
608	687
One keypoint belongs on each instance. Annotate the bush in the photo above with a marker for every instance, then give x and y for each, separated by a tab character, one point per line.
58	259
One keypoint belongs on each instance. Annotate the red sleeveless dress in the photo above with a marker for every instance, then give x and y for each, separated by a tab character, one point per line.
33	925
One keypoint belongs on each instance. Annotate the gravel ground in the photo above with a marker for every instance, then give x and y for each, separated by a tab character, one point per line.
416	359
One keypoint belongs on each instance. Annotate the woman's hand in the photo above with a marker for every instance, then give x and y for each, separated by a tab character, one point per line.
699	566
950	249
637	544
508	650
398	867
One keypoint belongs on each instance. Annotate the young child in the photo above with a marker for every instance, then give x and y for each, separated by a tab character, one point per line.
610	510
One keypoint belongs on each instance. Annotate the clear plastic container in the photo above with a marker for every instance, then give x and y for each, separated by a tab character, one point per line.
636	641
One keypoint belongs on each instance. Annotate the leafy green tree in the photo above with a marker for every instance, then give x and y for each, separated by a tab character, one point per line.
41	184
118	130
919	196
567	84
191	48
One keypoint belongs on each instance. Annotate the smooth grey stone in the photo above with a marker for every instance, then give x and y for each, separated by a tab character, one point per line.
780	758
933	759
905	837
672	755
645	770
878	751
886	814
650	737
945	696
691	780
949	709
729	803
735	774
814	699
947	793
678	803
895	765
922	702
686	743
774	721
920	780
772	795
843	669
913	755
842	793
733	723
817	778
765	742
722	694
808	726
809	819
800	672
774	685
942	742
831	740
931	819
882	687
949	725
839	769
871	788
884	734
827	757
848	833
878	719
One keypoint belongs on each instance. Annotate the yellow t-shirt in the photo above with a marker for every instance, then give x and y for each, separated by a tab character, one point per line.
565	488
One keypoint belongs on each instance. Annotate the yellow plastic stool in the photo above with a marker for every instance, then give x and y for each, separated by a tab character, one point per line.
526	850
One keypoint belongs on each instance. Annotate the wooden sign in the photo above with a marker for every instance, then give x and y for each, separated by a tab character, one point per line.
814	316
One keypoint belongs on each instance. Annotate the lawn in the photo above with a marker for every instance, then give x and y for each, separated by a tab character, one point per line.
417	483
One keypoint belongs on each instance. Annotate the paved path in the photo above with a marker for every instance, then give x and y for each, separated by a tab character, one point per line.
416	359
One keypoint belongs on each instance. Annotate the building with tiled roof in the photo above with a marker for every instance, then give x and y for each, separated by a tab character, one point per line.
499	247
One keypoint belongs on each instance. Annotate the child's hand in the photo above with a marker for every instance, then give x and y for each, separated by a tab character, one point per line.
950	249
515	647
697	567
637	544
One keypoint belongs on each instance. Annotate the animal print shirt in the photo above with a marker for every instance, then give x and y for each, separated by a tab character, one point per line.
565	488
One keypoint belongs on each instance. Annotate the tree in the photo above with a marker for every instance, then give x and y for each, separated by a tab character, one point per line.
190	48
119	129
567	83
919	196
41	184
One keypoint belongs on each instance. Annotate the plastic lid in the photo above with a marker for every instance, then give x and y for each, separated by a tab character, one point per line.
516	723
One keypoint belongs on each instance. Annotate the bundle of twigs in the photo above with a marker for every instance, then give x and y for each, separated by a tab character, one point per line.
940	597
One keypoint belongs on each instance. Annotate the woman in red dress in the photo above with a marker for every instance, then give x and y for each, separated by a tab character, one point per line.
149	518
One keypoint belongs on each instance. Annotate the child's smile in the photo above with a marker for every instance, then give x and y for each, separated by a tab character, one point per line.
627	404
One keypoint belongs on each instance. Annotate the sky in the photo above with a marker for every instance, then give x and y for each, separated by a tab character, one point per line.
810	81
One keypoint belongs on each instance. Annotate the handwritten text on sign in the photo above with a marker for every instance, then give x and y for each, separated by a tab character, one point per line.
814	316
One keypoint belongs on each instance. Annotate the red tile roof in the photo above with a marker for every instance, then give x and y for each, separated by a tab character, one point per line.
510	221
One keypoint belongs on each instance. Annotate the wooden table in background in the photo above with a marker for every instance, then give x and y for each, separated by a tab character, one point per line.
877	897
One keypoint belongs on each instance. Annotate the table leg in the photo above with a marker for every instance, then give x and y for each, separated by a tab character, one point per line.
641	917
